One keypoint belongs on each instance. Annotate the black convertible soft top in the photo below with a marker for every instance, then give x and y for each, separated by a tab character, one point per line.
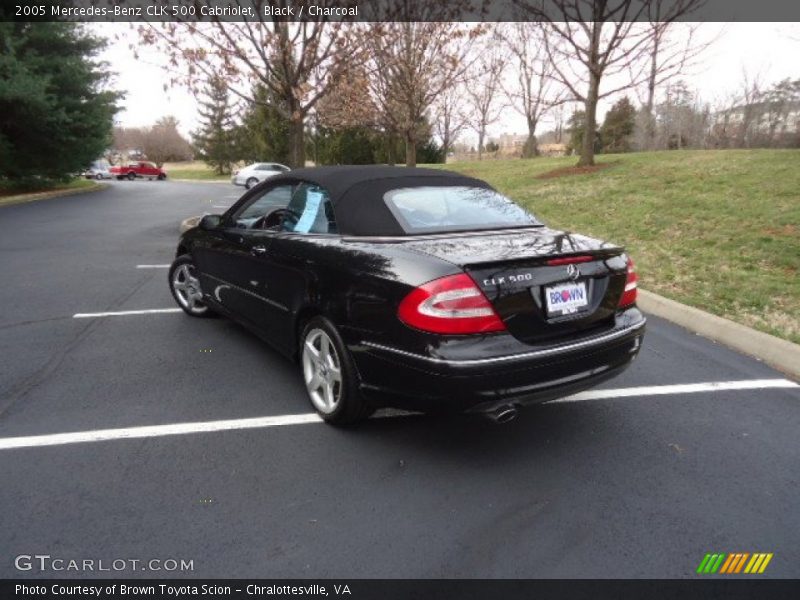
356	192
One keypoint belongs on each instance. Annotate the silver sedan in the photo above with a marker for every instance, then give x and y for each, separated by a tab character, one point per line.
256	173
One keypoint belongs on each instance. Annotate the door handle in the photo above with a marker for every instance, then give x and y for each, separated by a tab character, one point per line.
258	250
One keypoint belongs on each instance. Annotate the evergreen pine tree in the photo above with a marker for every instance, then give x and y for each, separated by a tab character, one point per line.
618	127
264	132
215	140
55	115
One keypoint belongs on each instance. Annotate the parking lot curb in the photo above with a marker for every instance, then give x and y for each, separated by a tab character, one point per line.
187	224
779	353
22	198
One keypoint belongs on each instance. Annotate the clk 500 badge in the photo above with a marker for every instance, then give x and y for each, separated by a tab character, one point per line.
510	278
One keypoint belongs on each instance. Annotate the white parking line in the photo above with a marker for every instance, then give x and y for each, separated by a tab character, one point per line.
152	266
682	388
102	435
122	313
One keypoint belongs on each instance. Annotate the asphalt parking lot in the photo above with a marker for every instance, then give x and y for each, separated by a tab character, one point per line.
626	482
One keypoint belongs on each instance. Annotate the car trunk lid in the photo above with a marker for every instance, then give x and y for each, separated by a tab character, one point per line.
543	283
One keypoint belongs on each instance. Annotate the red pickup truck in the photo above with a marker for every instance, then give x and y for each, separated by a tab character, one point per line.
138	169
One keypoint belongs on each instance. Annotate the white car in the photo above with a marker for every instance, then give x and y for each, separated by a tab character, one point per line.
98	170
256	173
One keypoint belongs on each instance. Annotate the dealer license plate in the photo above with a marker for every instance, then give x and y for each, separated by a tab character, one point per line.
566	298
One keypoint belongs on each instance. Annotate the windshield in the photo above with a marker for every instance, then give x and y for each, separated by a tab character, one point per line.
455	208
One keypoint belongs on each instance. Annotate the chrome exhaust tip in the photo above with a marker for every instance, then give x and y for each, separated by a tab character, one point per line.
503	414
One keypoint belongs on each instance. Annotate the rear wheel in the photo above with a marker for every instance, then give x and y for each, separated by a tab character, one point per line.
185	287
250	182
131	176
99	176
329	374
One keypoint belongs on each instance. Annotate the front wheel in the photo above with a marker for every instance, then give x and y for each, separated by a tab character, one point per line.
131	176
185	287
329	374
250	182
162	177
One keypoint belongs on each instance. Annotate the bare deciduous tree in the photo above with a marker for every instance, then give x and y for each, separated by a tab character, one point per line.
126	140
484	86
412	63
534	92
757	115
596	39
163	142
681	118
669	53
296	61
751	92
349	103
449	115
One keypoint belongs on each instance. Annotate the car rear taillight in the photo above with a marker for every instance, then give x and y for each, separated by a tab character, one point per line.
629	295
451	305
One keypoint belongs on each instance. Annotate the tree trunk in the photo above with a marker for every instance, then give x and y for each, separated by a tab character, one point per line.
480	145
589	132
411	149
587	151
297	144
446	144
650	121
531	147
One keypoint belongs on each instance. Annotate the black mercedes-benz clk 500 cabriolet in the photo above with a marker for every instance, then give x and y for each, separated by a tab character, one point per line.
413	288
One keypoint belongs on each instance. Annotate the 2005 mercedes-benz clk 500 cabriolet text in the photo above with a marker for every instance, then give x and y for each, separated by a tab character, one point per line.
413	288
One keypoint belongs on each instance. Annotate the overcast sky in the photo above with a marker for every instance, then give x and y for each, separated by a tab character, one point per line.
771	49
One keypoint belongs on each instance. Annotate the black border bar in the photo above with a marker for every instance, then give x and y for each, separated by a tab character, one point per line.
369	10
733	588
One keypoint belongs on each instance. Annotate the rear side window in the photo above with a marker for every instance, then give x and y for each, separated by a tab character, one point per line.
311	211
431	209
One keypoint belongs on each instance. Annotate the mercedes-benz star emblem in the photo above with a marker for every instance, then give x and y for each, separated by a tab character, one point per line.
573	272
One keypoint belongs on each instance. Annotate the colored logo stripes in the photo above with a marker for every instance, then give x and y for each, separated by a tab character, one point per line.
738	562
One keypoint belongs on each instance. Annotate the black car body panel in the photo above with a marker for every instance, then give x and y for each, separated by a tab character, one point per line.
271	281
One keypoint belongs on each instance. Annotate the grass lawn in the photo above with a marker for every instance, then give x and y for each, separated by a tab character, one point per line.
193	170
12	195
719	230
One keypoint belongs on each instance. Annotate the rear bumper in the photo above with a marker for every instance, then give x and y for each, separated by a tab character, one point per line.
392	377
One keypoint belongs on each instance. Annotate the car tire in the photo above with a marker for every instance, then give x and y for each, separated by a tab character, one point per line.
185	287
162	177
131	176
120	177
99	177
250	182
329	374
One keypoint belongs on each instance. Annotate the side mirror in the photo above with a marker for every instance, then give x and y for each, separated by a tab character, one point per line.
209	222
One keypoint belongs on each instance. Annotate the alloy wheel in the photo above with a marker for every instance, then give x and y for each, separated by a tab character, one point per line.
322	371
187	289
